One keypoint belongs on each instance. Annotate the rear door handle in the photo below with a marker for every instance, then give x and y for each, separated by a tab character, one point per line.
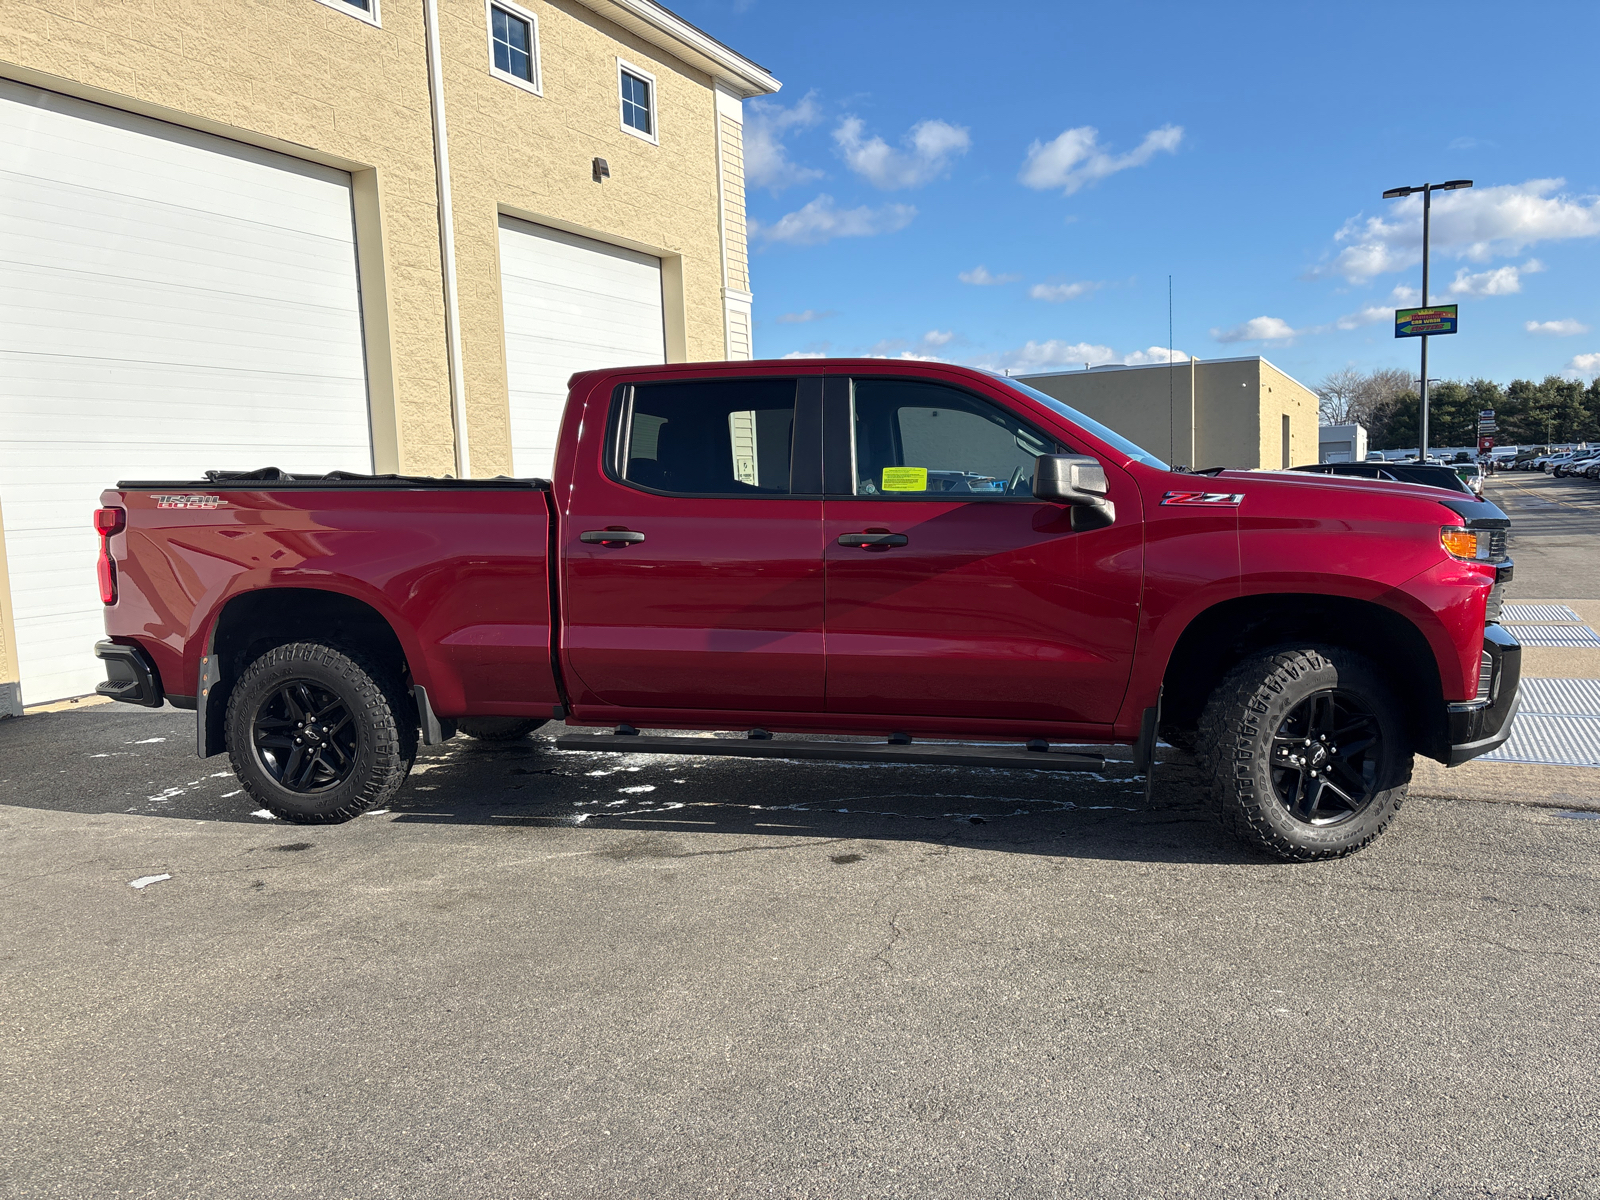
610	537
866	541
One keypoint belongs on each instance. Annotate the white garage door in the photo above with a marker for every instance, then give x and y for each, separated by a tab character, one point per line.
169	302
571	304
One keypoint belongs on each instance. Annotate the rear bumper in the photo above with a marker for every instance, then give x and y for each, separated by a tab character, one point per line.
1479	726
130	675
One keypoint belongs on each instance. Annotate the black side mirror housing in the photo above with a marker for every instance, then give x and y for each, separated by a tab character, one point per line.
1077	481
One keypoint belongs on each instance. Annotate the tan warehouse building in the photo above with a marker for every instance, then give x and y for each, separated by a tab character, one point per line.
1227	412
324	234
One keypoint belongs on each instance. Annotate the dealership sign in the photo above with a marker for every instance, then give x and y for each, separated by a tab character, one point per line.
1424	322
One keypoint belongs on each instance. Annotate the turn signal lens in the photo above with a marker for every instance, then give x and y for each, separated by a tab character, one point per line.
110	520
1459	543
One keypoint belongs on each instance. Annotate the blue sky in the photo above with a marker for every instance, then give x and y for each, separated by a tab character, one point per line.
1010	185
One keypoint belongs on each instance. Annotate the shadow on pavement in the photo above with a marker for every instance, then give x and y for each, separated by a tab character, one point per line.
141	762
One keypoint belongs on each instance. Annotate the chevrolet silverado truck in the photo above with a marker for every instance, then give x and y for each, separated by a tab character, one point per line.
920	563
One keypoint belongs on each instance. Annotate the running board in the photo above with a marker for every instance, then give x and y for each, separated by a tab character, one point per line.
760	744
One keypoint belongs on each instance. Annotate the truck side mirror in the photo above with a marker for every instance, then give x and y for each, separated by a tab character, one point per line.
1078	481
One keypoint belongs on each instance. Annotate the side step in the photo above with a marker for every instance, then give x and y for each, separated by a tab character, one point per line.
1035	756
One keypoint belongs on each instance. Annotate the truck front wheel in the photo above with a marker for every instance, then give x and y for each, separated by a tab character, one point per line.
318	735
1306	752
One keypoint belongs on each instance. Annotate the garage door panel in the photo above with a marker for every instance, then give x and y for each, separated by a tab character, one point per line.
571	304
171	302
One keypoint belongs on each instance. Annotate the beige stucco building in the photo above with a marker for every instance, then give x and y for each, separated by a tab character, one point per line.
319	234
1233	412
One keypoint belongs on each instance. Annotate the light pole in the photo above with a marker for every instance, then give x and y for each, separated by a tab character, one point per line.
1427	191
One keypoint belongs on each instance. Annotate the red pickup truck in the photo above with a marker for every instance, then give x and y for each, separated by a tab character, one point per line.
941	560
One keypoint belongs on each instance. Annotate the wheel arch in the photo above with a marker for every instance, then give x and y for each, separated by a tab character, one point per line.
252	622
1220	636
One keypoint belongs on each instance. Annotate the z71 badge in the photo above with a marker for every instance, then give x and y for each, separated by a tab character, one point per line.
1224	499
187	501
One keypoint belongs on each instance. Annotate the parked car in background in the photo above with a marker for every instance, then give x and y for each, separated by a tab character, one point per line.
1552	464
1396	472
1375	456
1577	464
1471	474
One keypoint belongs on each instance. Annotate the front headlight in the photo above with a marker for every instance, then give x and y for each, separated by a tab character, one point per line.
1465	544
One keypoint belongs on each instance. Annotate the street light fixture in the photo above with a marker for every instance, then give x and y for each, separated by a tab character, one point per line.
1427	191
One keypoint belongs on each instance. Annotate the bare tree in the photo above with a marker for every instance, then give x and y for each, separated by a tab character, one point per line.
1339	396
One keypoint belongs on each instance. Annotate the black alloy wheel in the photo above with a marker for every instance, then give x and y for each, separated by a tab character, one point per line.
1325	758
305	737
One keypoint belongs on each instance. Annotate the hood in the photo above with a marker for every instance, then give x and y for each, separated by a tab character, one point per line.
1471	509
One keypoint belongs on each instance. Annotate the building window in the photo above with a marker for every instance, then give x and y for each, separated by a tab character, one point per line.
514	45
638	101
361	10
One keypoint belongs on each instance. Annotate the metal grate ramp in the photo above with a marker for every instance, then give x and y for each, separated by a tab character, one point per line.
1557	724
1535	613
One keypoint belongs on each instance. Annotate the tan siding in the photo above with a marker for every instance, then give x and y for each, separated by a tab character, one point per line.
733	218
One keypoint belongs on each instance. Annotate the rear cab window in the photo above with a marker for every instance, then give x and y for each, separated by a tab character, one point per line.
715	437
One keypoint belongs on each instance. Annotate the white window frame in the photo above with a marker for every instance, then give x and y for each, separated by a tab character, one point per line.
654	136
516	10
370	18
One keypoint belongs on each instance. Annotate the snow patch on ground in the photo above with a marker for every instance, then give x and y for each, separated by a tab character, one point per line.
643	787
144	742
145	881
263	814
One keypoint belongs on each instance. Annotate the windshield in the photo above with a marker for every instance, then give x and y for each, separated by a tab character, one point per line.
1109	436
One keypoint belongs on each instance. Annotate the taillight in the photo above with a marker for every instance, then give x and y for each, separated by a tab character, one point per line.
108	521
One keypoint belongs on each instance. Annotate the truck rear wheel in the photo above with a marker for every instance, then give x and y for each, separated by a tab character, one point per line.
497	729
318	735
1306	752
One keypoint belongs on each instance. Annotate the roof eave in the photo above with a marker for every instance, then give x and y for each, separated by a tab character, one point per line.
662	27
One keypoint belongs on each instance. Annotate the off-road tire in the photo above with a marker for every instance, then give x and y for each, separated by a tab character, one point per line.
385	724
1237	728
497	729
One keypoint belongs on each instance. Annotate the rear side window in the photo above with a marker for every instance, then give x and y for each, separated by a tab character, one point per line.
732	437
924	441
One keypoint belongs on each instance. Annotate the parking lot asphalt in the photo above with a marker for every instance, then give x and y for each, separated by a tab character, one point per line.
553	974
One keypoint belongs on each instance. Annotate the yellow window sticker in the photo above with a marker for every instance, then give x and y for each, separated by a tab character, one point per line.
905	479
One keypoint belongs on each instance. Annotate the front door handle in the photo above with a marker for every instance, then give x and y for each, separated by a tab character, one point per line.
872	539
610	537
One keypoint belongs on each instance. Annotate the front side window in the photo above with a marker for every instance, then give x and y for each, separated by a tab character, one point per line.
925	441
638	101
731	437
514	45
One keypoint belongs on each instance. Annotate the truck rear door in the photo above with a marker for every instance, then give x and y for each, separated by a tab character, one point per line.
691	546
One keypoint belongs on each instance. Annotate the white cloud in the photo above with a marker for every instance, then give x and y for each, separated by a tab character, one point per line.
921	350
766	159
1057	292
802	318
1371	314
1257	329
930	147
1475	224
821	221
1155	354
807	354
1563	328
980	276
1076	158
1500	281
1043	356
1584	364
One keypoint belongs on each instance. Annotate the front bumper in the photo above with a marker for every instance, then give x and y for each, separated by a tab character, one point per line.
130	675
1479	726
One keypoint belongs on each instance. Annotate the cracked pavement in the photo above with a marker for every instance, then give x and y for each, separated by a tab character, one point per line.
530	977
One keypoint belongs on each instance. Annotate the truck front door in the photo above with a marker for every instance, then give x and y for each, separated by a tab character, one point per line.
691	555
951	591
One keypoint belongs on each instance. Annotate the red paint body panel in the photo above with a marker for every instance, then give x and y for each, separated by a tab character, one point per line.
997	619
461	577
